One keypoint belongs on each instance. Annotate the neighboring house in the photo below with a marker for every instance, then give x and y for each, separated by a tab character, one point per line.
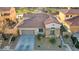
39	23
69	17
68	13
8	13
73	23
7	20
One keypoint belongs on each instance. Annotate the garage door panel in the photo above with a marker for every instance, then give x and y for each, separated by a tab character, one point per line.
28	32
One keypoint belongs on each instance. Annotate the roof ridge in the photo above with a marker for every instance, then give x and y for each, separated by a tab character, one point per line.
67	10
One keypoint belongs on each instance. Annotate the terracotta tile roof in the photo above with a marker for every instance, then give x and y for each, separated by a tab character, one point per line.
5	8
28	15
73	11
36	21
70	11
51	20
74	21
63	10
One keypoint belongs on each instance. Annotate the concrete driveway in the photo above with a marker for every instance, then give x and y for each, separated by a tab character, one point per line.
25	43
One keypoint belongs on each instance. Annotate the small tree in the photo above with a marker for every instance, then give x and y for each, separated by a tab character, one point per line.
59	46
52	40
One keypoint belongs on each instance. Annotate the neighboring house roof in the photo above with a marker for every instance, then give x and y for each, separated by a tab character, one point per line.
5	8
74	21
73	11
63	10
51	20
36	21
70	11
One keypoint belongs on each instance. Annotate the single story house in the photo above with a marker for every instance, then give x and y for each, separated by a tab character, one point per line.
42	23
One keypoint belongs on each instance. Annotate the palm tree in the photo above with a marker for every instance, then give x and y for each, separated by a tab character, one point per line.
62	29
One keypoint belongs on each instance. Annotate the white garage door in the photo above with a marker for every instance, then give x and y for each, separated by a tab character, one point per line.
28	32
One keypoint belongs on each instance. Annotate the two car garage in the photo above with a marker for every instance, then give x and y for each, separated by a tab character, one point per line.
27	32
26	40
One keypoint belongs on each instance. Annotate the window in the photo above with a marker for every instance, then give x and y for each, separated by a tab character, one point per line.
7	19
40	30
70	15
6	14
67	15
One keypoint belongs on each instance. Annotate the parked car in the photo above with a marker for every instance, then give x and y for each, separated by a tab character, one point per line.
75	39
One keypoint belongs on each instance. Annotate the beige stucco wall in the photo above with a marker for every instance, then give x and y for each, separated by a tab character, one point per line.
70	15
36	30
74	28
55	25
62	16
47	32
13	14
57	32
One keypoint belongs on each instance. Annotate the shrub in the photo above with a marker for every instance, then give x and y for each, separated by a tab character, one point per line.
66	36
6	36
52	40
39	36
59	46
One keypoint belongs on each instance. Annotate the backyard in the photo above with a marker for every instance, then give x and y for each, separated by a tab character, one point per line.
36	10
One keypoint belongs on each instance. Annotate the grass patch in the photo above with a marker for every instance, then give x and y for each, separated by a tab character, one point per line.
25	10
